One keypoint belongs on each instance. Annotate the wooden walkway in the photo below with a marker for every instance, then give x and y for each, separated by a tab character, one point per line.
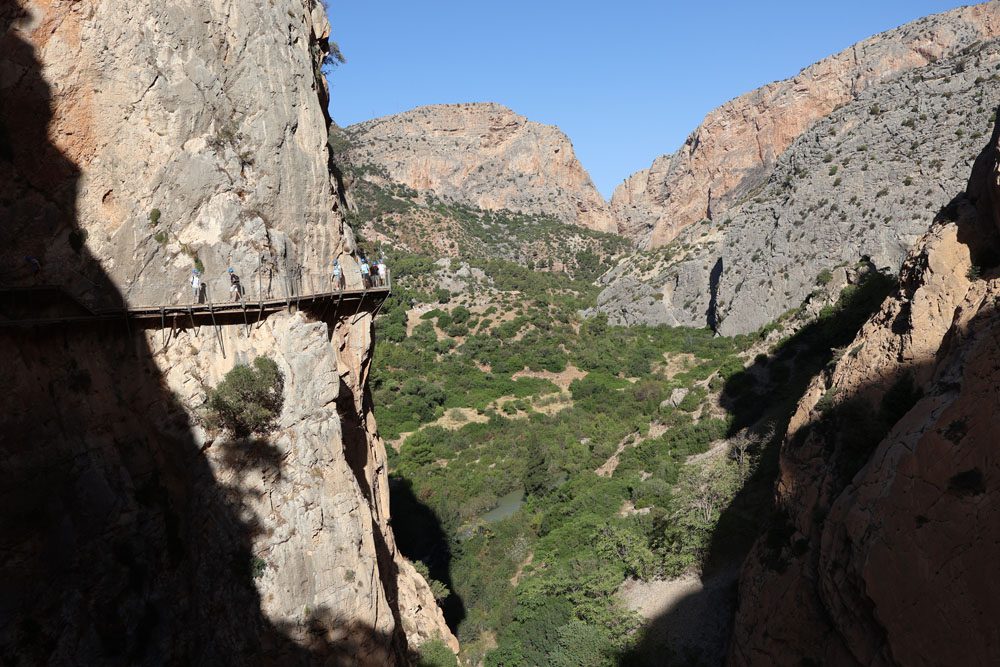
50	305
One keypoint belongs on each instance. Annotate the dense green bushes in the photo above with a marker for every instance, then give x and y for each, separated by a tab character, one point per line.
248	400
574	540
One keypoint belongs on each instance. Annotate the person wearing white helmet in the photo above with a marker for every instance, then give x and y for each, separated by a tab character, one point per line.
196	285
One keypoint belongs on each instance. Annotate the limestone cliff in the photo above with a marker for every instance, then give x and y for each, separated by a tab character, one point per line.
139	140
482	155
864	182
887	530
735	148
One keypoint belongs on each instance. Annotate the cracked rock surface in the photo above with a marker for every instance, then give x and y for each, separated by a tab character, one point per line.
884	545
482	155
130	534
865	182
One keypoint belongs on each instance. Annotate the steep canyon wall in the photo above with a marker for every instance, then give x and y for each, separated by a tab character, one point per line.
131	535
886	533
734	149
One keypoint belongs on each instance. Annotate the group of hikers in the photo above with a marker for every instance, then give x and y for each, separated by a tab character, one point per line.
373	274
198	286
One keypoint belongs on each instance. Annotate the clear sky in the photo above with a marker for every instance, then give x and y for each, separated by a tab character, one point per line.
626	80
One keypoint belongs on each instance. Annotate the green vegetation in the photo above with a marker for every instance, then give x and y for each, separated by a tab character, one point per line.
415	219
257	567
154	217
438	589
436	653
538	459
579	534
568	543
248	400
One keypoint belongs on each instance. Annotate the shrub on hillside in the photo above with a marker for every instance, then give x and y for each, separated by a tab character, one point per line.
249	398
436	653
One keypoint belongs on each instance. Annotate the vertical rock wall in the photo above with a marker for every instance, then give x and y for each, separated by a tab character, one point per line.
735	148
886	536
128	535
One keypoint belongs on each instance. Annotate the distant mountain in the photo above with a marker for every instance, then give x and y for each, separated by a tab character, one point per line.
737	146
881	550
864	181
484	156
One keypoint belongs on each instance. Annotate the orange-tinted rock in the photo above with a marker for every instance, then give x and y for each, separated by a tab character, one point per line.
886	543
732	151
483	155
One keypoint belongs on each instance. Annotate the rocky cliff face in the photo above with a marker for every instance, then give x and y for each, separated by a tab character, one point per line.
738	144
887	497
138	140
485	156
864	182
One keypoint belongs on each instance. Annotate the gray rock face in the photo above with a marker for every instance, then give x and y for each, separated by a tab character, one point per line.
130	534
210	113
865	182
735	148
677	397
482	155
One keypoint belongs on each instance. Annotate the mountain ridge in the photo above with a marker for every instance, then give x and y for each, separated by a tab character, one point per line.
735	146
483	155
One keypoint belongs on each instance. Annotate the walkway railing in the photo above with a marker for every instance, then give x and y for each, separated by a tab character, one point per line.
259	286
264	293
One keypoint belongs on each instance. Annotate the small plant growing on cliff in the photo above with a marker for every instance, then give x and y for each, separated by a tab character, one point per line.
438	589
824	277
828	399
248	400
161	237
257	567
154	217
974	272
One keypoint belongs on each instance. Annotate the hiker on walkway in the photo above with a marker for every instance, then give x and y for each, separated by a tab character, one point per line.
366	279
235	288
374	274
383	272
338	275
196	285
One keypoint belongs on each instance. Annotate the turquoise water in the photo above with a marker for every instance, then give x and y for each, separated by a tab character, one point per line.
506	506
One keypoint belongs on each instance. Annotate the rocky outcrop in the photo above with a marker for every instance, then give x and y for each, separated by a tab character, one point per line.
888	508
864	182
735	148
481	155
137	141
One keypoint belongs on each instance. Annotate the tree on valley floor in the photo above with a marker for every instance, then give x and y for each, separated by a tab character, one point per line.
697	501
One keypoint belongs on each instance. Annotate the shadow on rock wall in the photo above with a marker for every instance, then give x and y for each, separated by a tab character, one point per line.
786	608
421	537
763	398
117	544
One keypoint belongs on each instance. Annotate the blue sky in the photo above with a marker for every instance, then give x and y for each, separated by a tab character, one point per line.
627	81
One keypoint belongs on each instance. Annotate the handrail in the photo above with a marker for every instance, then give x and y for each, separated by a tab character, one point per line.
205	306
